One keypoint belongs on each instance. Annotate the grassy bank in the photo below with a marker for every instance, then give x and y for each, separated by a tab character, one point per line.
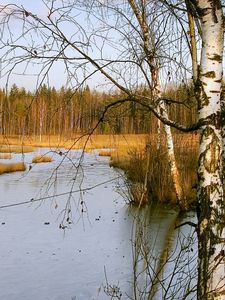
137	155
15	148
75	142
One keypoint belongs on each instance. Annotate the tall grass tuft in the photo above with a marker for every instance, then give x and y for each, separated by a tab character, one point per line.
5	155
42	159
105	153
149	168
13	167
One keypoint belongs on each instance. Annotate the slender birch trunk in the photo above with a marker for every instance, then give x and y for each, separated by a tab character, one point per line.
150	49
172	160
193	43
211	222
169	141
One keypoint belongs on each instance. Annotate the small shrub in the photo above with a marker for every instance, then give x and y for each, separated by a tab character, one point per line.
42	159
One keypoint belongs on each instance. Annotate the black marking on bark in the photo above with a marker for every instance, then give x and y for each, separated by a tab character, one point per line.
219	221
214	92
216	57
210	157
222	110
202	11
204	235
213	119
205	100
214	5
210	74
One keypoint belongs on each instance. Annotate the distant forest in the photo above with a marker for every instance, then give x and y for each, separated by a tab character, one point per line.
65	112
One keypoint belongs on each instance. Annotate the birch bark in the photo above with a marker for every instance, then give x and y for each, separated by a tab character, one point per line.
211	230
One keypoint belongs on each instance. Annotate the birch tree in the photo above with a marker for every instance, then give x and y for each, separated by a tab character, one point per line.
152	58
211	231
206	20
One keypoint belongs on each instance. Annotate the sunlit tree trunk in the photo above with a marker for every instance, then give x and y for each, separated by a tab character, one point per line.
169	141
149	46
172	160
211	231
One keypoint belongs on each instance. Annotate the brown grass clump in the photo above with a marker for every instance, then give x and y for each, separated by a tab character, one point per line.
5	155
149	168
13	167
42	159
105	153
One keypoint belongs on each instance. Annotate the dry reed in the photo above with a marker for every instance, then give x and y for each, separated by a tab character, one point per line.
15	149
156	176
5	155
13	167
131	155
77	141
42	159
105	153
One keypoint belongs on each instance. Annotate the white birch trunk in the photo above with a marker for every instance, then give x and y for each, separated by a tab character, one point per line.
172	160
211	232
169	141
149	44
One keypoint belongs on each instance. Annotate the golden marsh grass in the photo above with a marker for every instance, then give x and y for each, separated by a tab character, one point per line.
42	159
13	167
15	149
105	153
134	162
133	153
5	155
75	142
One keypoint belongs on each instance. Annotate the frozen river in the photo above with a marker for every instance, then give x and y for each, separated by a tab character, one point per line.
95	255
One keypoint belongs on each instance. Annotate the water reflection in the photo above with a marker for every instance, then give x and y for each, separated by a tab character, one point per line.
106	246
164	259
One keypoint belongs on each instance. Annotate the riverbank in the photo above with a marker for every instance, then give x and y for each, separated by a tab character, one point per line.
85	141
145	165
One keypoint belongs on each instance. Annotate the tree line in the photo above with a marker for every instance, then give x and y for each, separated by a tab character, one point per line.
65	112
